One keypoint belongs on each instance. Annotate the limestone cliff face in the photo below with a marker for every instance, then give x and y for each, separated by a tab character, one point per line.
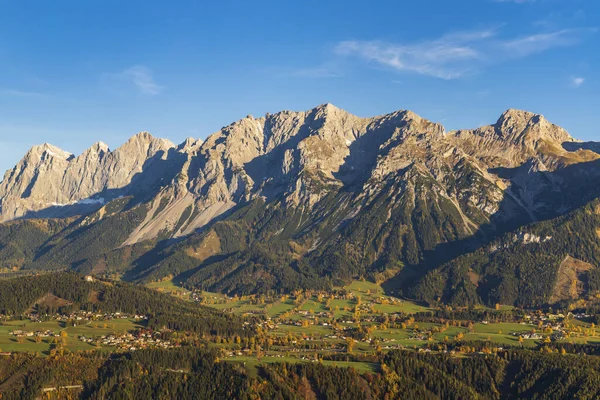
50	178
515	138
299	158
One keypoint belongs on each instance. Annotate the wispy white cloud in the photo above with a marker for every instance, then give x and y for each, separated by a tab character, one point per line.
140	76
447	57
524	46
457	54
577	81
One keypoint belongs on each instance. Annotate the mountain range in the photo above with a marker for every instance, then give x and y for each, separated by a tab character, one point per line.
505	213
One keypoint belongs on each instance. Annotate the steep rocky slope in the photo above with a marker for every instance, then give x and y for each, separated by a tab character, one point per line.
297	199
540	263
49	179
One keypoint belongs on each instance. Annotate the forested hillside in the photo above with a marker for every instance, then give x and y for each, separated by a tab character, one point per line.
20	295
192	374
312	200
542	263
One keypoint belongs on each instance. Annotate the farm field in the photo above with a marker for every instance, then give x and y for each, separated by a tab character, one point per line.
170	287
9	343
251	363
357	319
311	319
307	319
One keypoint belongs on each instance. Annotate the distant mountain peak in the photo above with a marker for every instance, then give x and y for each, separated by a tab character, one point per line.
50	150
513	120
98	148
328	107
518	114
142	135
274	155
189	145
145	137
357	195
525	126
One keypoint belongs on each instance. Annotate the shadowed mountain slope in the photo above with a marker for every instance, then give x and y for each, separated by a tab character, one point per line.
296	199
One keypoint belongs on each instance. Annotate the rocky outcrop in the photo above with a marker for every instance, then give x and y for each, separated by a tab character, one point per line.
285	200
495	172
516	137
49	179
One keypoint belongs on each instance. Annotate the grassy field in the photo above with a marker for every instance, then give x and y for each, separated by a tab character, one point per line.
372	303
372	294
251	363
171	288
280	307
9	342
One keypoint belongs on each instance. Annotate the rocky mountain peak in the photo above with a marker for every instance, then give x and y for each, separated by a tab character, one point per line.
144	144
145	139
527	127
99	148
142	136
328	109
48	179
48	150
190	145
513	114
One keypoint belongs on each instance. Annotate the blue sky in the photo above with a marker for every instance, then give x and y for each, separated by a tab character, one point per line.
75	72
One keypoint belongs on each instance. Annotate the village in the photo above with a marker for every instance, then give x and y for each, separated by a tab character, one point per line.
358	318
132	341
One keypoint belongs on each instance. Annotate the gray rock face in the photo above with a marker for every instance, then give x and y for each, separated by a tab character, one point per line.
300	157
50	178
517	137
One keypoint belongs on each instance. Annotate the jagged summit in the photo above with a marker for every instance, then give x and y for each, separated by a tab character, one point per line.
98	148
146	140
517	114
274	155
143	136
49	177
321	192
50	150
190	145
518	123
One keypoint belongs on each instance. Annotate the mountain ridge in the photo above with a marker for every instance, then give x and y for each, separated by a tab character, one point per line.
291	197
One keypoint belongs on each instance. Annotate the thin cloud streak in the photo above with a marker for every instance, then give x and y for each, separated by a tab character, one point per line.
447	57
577	81
524	46
457	54
140	76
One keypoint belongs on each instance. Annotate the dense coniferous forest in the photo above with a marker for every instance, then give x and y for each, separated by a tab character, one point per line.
198	374
521	268
250	252
19	295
